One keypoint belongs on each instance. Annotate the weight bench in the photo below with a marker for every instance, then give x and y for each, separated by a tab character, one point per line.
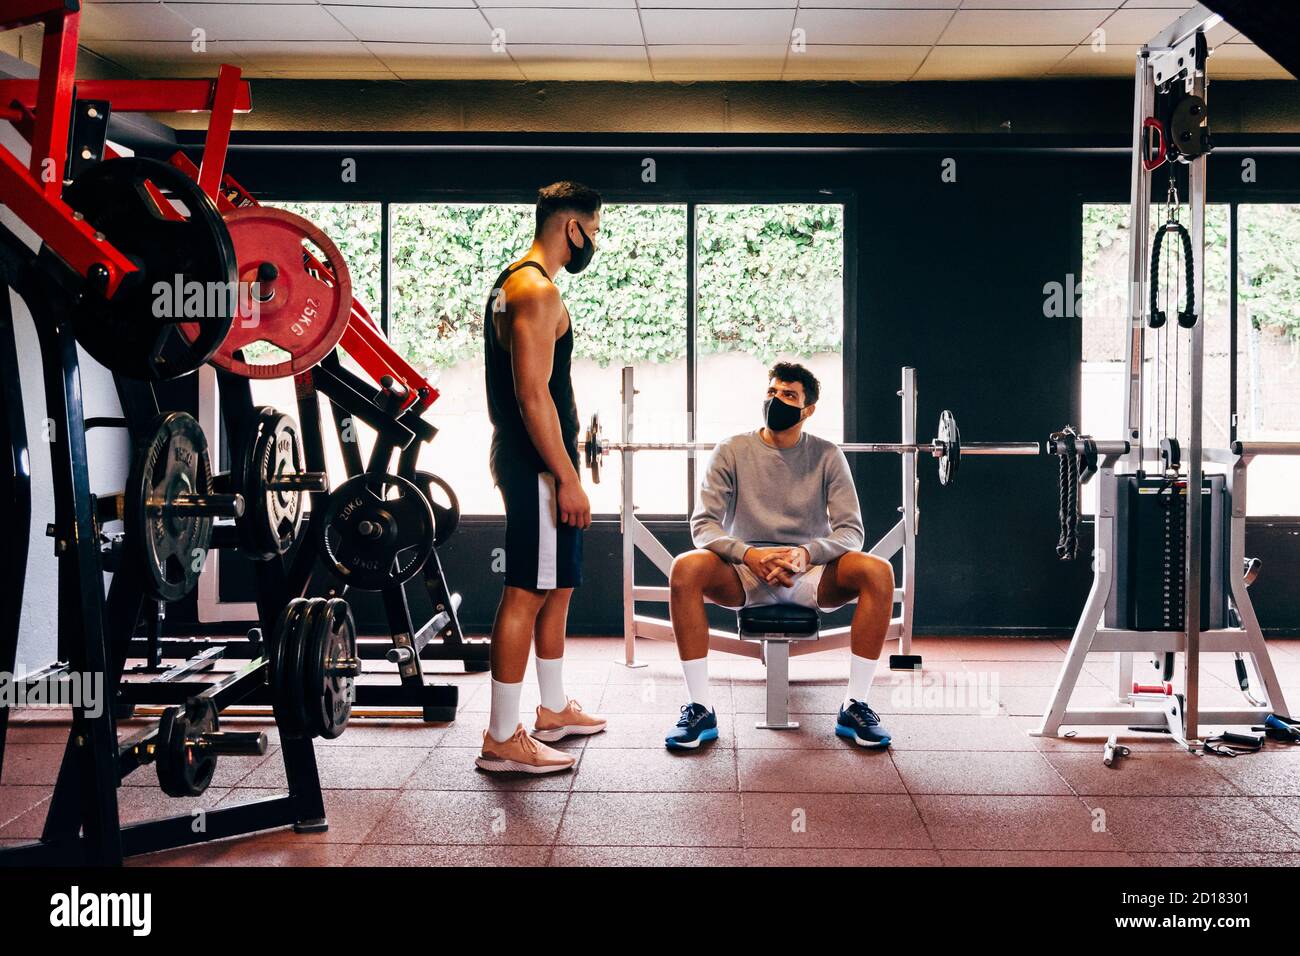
775	626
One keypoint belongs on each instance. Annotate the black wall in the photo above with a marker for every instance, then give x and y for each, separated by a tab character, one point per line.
945	276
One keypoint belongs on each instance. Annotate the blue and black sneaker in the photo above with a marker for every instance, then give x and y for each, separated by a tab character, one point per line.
696	726
860	724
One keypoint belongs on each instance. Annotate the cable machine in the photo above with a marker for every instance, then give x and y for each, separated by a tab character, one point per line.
1170	575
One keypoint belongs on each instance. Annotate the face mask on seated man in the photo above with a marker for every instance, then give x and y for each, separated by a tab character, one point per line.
778	522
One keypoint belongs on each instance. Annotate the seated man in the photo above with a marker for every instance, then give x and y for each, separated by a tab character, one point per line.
778	523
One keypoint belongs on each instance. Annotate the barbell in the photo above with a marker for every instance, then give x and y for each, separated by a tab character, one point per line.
946	448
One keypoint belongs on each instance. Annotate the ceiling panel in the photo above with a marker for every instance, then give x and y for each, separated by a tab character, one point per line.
874	27
535	25
718	27
641	40
1027	27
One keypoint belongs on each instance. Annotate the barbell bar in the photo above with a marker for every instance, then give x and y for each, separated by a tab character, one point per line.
948	448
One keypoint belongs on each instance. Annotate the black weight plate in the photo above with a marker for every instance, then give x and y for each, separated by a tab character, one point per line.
287	630
329	695
446	506
169	546
310	627
271	519
375	531
193	257
184	771
950	436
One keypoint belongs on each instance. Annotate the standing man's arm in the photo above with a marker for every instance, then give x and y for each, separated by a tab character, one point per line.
536	317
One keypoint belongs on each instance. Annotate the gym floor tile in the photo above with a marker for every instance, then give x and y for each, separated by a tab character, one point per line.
137	804
651	819
833	821
1033	673
31	764
453	855
464	817
811	771
1143	773
979	773
1286	810
1033	701
346	768
255	850
452	768
649	730
1216	860
481	702
1194	824
1034	858
819	856
815	732
657	697
374	732
672	856
956	733
36	732
15	801
656	770
468	731
983	649
352	814
1011	823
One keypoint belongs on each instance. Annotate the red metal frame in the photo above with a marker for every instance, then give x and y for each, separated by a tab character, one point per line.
362	339
41	109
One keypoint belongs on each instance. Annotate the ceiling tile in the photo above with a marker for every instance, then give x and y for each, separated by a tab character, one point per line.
419	61
265	21
1024	27
164	59
133	21
1115	60
904	5
1239	61
718	4
990	62
873	27
720	27
1179	6
714	61
1044	4
552	4
325	57
411	25
556	61
855	62
1134	27
536	25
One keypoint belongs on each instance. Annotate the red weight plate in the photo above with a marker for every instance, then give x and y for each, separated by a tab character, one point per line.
302	311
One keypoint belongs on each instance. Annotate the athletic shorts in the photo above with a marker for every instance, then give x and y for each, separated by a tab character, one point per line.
541	553
803	592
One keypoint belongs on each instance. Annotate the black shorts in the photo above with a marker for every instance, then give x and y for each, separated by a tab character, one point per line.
541	553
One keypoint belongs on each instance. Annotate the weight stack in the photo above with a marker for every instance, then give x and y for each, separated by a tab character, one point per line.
1150	550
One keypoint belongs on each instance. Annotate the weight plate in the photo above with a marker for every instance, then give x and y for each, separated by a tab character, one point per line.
288	629
170	545
186	771
950	436
272	518
375	531
302	697
329	678
297	309
133	203
445	506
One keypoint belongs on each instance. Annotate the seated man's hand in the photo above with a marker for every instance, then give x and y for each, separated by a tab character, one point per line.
777	566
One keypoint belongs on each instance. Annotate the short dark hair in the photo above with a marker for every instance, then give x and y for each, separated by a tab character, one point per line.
562	196
794	372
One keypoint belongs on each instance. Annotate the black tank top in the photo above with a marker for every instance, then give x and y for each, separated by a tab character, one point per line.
512	449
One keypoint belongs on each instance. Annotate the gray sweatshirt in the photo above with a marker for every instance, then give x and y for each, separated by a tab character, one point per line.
754	495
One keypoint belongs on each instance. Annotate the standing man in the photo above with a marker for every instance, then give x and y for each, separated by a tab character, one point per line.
527	350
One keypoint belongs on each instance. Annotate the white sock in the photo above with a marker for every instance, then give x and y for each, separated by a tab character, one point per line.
550	681
861	671
505	710
697	682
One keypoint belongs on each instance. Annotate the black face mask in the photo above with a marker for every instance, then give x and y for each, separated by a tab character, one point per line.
579	256
779	415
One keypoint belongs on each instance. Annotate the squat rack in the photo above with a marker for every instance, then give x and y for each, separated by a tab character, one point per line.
899	540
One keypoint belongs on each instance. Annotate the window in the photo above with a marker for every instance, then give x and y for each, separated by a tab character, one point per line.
1267	347
771	287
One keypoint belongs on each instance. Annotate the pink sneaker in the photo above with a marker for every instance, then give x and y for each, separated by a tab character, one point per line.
552	725
522	754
